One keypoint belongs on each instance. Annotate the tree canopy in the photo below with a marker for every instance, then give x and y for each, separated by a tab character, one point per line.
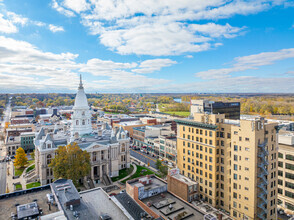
70	162
20	158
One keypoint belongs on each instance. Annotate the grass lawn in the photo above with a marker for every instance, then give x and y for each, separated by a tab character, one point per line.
123	173
139	173
30	168
183	114
19	170
18	186
32	185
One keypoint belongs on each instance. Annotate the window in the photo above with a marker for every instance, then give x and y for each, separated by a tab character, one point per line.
289	175
77	122
49	157
235	176
235	158
235	167
235	148
83	123
290	157
289	166
280	155
289	185
289	194
289	206
280	164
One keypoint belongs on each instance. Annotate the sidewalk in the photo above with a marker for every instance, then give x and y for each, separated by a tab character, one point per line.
132	173
10	181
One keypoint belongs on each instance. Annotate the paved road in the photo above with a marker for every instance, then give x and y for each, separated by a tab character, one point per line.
144	157
3	166
3	173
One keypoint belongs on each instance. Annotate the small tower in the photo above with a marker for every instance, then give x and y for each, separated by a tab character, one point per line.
81	118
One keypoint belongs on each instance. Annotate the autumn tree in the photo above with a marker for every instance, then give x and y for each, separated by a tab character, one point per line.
71	162
20	158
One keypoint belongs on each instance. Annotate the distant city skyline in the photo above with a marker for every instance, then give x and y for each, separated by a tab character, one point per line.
190	46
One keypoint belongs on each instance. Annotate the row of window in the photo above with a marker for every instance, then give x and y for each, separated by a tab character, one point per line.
287	165
287	175
287	193
288	156
198	131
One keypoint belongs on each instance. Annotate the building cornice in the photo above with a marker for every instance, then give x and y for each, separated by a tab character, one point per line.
196	124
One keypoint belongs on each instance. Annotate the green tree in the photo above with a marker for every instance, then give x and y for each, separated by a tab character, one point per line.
71	162
158	164
20	158
33	155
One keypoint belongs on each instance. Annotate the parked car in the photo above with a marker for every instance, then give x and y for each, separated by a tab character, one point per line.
112	194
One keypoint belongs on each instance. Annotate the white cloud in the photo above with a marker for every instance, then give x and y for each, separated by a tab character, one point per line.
62	10
247	63
76	5
189	56
28	68
54	28
149	66
9	21
162	27
7	26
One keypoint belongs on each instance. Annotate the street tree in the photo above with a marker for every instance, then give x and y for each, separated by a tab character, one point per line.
70	162
20	158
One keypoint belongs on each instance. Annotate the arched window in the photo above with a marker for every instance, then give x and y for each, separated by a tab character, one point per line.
49	157
83	121
77	122
83	113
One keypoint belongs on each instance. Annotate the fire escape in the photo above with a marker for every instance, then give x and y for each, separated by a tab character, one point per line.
262	181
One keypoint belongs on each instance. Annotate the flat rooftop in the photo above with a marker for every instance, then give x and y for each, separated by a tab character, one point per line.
95	200
155	183
183	179
8	205
169	207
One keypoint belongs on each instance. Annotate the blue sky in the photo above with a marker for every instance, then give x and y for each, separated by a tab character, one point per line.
147	46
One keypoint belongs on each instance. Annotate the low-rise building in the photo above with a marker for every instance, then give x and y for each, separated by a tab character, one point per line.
182	186
61	200
11	145
154	196
129	126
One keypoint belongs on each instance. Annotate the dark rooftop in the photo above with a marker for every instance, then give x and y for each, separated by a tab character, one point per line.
131	206
170	207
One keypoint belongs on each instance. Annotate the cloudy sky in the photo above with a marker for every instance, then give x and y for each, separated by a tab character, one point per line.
147	46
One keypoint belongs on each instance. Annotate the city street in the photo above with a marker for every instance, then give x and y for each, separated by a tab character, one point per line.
145	158
3	165
3	173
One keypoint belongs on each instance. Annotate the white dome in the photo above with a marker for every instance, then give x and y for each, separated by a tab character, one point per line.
81	101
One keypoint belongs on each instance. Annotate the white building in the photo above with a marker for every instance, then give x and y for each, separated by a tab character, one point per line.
108	148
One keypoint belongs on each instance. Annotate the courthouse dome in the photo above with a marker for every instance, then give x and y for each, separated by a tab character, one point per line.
81	98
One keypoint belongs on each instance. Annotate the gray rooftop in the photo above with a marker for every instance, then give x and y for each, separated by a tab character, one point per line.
97	202
130	205
169	207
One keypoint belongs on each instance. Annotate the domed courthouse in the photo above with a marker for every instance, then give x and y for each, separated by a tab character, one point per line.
108	148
